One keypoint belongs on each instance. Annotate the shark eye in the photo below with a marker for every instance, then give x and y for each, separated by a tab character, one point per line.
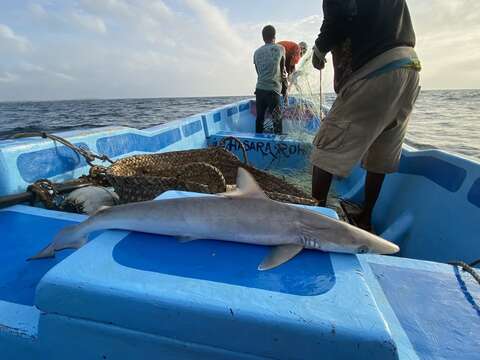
362	249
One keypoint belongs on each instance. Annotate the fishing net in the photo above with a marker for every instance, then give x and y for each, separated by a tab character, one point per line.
302	118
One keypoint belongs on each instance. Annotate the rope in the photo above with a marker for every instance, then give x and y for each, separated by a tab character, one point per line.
97	175
468	268
222	143
475	263
44	191
89	156
321	97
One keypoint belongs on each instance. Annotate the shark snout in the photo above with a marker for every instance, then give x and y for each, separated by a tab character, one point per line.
384	247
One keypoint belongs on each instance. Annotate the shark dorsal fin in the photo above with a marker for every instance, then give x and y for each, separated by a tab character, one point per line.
247	187
99	210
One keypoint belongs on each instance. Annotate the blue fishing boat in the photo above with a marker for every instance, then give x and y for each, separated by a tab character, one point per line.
128	295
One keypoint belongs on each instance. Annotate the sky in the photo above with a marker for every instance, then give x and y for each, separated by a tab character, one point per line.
84	49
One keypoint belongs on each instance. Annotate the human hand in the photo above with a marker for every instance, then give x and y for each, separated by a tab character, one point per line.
318	63
294	77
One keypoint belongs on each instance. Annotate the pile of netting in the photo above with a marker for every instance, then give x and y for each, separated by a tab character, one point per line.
144	177
209	170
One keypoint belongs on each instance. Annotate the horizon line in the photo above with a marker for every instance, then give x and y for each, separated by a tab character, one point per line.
179	97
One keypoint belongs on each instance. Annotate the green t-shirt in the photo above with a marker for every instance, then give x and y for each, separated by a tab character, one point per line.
267	61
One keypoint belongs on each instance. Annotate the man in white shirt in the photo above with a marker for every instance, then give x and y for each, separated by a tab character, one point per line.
269	62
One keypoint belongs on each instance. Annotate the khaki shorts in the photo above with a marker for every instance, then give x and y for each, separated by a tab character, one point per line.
367	122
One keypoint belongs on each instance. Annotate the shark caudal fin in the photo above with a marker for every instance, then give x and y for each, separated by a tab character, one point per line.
45	253
68	238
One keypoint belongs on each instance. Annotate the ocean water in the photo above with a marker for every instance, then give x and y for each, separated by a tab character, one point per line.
446	119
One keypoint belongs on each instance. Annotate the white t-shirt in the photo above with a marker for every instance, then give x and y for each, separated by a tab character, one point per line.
267	60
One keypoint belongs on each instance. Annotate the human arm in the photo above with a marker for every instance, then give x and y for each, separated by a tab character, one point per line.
338	15
284	75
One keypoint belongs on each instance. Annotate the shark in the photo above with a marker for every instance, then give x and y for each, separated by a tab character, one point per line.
245	215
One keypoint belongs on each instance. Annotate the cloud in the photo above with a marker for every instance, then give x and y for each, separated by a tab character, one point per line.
35	69
9	41
7	77
147	49
143	12
213	27
447	34
89	22
37	10
58	20
108	7
151	48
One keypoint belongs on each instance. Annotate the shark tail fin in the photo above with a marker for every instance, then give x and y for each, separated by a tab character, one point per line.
45	253
68	238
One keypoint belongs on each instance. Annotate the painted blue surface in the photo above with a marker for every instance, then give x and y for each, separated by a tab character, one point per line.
308	274
122	144
217	117
232	111
426	212
22	236
441	172
192	128
244	107
474	193
439	312
46	163
267	151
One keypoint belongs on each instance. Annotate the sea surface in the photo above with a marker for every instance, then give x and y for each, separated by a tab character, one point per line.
445	119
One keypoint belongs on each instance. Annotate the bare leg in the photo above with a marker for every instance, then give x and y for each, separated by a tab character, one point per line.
373	186
321	181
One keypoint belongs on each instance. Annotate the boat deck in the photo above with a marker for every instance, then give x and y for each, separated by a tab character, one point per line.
124	282
131	295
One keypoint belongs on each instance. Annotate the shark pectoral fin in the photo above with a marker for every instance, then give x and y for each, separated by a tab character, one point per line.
186	239
278	255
